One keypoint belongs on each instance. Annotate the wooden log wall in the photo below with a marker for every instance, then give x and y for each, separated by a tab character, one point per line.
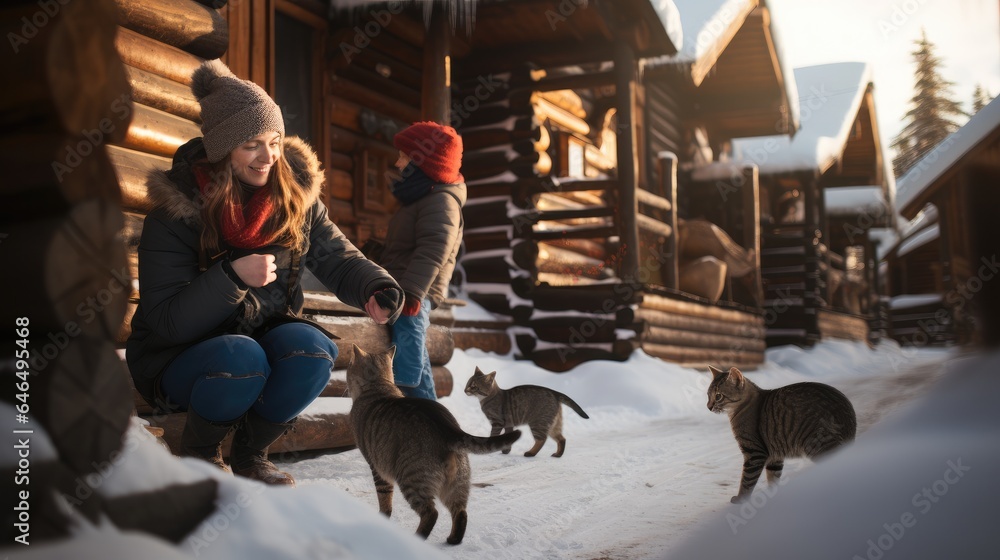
375	91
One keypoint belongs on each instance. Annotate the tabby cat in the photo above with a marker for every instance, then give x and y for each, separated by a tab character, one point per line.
413	442
538	407
802	419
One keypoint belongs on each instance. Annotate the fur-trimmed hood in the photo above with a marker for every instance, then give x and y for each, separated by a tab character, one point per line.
174	190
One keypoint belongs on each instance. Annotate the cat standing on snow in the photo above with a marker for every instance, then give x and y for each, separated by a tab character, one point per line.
802	419
538	407
413	442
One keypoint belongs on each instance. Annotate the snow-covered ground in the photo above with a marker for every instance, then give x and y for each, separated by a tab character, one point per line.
650	466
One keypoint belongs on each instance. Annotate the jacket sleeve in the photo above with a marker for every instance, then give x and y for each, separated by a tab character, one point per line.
181	303
339	265
437	223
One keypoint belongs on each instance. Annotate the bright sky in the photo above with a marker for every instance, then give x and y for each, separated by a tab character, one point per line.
966	34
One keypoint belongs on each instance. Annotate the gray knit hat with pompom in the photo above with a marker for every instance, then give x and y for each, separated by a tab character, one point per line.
232	110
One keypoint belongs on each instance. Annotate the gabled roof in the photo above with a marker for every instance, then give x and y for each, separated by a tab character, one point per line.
912	188
830	97
732	63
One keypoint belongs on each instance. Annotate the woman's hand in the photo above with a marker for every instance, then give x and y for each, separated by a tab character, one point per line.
378	314
256	270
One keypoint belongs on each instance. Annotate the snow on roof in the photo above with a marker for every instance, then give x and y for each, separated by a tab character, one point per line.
918	240
866	199
670	17
705	24
933	165
829	97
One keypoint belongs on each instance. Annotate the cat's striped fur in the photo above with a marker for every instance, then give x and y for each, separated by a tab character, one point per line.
538	407
802	419
415	443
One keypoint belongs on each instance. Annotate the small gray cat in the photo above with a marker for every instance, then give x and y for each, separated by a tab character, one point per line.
538	407
416	443
802	419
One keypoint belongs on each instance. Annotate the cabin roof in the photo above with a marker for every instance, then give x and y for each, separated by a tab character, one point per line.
652	27
913	188
830	97
732	54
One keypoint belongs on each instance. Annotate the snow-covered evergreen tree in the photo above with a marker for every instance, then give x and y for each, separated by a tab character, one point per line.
930	118
980	98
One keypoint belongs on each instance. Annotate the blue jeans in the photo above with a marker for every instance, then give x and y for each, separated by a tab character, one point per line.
278	376
411	366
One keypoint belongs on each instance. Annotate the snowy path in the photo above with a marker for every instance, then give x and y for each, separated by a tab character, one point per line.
650	463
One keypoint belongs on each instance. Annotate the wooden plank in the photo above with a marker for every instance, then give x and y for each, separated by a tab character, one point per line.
496	341
671	305
639	319
377	101
680	337
702	356
157	132
443	383
163	94
184	24
133	169
145	53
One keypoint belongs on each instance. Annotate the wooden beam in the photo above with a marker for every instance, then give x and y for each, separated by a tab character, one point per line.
436	91
184	24
628	160
668	188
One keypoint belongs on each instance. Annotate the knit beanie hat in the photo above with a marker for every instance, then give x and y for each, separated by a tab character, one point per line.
232	110
436	149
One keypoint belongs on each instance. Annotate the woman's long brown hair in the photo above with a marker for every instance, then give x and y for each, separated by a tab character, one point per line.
287	222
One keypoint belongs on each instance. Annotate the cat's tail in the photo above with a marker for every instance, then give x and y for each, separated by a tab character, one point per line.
477	444
572	404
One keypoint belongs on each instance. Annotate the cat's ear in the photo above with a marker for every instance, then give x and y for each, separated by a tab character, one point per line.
715	371
490	376
478	372
356	353
737	376
392	351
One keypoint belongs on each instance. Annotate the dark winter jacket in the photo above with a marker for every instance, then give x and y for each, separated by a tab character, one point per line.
423	240
180	305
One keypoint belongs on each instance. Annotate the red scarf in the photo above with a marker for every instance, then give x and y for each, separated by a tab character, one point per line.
242	224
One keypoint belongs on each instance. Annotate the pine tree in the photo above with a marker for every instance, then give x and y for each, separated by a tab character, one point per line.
932	109
980	98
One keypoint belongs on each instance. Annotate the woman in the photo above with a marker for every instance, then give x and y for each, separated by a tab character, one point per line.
422	242
233	221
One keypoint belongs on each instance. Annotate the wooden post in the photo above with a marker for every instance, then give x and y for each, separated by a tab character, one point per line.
751	226
668	182
628	162
436	92
812	236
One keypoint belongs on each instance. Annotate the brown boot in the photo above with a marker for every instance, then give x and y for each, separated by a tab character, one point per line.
203	439
249	452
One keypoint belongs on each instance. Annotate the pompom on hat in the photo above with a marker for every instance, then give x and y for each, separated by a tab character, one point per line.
232	110
436	149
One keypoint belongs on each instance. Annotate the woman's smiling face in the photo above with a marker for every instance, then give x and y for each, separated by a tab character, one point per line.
252	161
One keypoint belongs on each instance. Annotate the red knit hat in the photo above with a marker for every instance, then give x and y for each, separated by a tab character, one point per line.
436	149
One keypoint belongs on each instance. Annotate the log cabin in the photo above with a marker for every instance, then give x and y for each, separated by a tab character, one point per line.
822	193
940	274
728	80
344	106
